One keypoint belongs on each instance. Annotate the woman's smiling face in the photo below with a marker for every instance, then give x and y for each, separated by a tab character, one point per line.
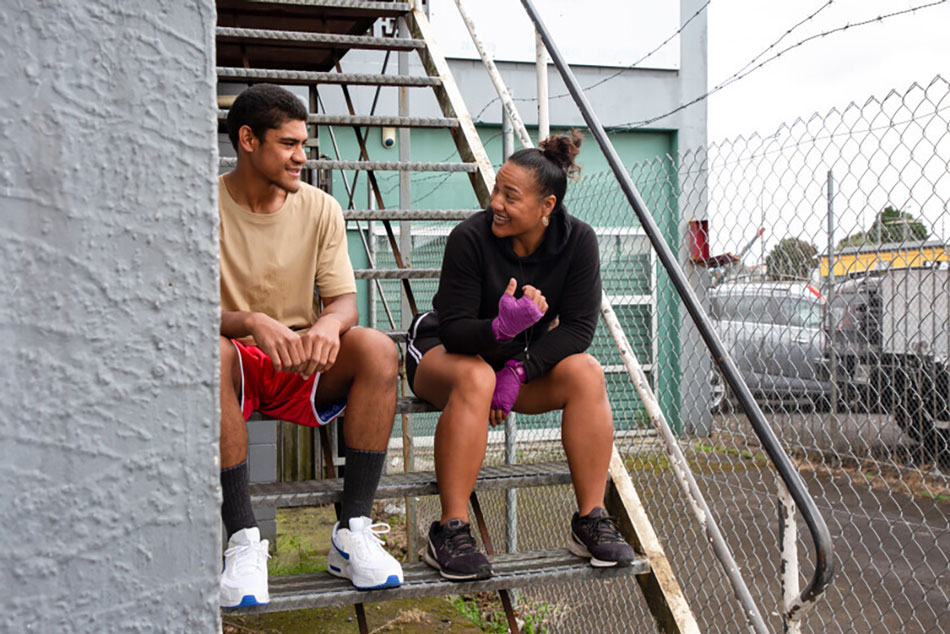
517	205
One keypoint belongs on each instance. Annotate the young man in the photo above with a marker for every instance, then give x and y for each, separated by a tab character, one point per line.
280	356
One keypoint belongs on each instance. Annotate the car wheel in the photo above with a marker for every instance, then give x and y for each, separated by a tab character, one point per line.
717	392
915	414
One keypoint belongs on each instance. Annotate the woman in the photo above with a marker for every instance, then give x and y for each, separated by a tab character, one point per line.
488	349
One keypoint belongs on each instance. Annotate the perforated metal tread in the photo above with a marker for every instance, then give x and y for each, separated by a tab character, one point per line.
338	6
305	38
397	485
413	405
233	73
384	166
372	121
397	274
518	570
409	214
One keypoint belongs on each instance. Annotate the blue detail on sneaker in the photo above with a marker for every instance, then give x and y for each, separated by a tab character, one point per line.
248	601
391	582
334	568
340	550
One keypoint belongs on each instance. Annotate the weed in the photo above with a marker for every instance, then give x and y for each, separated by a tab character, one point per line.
494	621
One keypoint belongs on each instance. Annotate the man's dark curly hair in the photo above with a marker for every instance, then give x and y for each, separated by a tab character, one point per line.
263	107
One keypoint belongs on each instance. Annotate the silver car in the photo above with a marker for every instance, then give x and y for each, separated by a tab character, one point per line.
773	330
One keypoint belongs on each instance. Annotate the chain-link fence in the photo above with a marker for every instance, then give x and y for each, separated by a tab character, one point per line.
848	360
836	308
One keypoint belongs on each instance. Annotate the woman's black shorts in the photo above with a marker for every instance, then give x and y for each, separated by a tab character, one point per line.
423	336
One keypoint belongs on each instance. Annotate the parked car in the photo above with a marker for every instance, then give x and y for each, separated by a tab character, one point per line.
892	337
775	334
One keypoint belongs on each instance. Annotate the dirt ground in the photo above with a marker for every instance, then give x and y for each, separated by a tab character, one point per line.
889	518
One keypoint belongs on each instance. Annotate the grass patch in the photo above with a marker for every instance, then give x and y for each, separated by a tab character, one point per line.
482	611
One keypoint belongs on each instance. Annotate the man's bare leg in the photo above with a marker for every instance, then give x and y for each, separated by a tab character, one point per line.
365	374
233	426
236	498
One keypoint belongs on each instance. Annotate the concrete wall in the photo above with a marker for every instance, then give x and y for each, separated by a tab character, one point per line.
108	317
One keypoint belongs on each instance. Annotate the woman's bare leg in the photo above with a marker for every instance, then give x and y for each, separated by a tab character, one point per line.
462	386
576	386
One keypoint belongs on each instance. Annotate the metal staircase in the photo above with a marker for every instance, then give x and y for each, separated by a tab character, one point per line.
303	42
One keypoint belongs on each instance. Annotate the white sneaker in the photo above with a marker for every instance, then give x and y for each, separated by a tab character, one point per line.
244	578
357	554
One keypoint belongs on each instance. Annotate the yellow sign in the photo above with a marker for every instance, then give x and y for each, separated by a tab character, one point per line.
885	256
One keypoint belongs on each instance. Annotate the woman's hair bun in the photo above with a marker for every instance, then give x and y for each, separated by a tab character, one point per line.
561	149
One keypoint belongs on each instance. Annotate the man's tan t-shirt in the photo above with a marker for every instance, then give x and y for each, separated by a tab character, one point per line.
270	262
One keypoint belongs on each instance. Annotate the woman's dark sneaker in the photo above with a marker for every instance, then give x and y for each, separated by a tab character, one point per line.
453	553
595	536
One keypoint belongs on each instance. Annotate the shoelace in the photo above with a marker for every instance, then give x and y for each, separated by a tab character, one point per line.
603	530
368	536
460	541
247	557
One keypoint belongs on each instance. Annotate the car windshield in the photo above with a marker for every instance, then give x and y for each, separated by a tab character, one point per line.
803	313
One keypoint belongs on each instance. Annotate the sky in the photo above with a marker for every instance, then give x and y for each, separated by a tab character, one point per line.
827	72
831	71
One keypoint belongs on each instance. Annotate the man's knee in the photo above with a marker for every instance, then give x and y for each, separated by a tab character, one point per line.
371	351
230	363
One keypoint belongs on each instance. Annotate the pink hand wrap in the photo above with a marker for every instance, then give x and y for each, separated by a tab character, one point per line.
508	382
514	316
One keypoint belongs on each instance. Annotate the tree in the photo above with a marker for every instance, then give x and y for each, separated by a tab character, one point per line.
791	259
891	225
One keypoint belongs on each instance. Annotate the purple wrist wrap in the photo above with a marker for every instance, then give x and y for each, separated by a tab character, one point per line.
514	316
508	382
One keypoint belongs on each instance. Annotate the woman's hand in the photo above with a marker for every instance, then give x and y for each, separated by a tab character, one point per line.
517	315
508	382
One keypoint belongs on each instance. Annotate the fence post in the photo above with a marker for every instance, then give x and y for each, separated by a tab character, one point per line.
830	292
541	57
405	246
788	537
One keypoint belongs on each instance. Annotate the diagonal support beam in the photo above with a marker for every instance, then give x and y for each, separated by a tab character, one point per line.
466	137
662	591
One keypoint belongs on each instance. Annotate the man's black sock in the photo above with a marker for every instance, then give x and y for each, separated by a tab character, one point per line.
363	469
236	504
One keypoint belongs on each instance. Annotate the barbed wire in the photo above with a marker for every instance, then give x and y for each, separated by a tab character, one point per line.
746	71
788	32
643	58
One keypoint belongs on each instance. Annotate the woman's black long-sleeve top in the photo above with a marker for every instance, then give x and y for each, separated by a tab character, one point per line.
476	268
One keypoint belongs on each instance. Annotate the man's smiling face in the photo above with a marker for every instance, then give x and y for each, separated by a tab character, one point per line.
279	157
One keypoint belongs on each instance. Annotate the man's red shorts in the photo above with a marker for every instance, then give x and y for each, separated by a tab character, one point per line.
280	395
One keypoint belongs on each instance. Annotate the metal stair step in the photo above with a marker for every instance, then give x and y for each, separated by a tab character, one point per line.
409	214
380	166
341	7
377	121
512	570
398	485
398	336
234	73
314	40
397	274
413	405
